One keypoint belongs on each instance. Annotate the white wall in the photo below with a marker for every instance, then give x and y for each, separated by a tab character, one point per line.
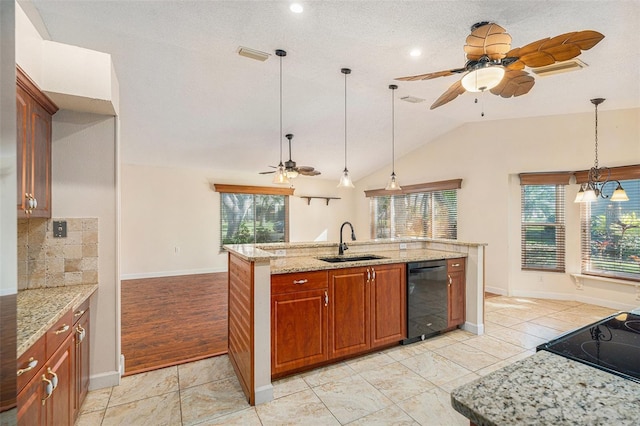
84	160
164	208
488	156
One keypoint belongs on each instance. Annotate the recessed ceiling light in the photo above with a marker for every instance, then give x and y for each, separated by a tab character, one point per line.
415	52
296	8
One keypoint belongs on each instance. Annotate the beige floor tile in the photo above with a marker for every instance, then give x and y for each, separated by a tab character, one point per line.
397	382
206	370
545	333
373	361
158	410
526	313
560	323
399	353
351	398
247	417
496	347
327	374
92	418
505	362
211	400
501	319
467	356
435	368
518	338
289	385
96	400
449	386
390	416
144	385
433	407
460	335
302	408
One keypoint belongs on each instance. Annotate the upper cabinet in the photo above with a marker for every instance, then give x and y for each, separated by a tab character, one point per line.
33	113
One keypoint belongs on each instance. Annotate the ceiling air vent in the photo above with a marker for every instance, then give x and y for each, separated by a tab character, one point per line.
560	67
412	99
253	54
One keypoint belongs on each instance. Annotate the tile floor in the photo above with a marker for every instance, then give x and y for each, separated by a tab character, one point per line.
403	385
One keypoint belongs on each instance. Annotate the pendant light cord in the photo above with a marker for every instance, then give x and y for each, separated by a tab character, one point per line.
280	135
596	162
345	121
393	132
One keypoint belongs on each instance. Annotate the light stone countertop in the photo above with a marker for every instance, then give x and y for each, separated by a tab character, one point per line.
547	389
38	309
282	265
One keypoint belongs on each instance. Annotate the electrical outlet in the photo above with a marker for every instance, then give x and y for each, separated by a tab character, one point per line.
403	246
59	229
176	250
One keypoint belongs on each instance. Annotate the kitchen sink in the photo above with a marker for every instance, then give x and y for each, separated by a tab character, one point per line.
336	259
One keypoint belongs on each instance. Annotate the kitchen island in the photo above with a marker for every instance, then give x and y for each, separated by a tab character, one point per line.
250	278
548	389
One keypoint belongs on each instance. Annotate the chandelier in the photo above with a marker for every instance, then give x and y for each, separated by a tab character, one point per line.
599	177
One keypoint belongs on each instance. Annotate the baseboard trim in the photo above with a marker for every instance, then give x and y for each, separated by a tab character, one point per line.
496	290
577	298
171	273
104	380
477	329
264	394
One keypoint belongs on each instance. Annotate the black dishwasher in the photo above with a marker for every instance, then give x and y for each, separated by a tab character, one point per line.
427	299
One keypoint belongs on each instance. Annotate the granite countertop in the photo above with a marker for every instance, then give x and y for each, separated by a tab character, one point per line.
547	389
287	264
38	309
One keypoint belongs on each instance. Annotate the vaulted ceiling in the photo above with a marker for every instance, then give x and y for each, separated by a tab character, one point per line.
188	99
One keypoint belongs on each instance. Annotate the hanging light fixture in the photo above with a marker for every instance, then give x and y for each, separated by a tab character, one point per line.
485	75
345	180
280	176
393	185
598	177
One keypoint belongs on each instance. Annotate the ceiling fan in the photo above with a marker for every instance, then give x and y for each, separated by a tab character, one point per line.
493	65
290	166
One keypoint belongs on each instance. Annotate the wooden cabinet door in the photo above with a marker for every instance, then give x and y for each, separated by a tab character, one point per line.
81	343
31	412
388	304
59	406
22	160
40	156
349	324
298	330
456	292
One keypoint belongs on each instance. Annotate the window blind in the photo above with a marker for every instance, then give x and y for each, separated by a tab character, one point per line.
543	225
432	214
610	234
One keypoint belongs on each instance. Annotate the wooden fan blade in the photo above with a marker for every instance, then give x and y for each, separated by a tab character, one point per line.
548	51
514	83
310	172
488	40
431	75
266	173
452	92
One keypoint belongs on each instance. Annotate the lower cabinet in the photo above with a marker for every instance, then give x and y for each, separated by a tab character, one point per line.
388	305
81	347
456	292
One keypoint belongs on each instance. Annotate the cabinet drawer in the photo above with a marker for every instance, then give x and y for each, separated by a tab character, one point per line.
454	265
30	362
77	314
299	281
58	332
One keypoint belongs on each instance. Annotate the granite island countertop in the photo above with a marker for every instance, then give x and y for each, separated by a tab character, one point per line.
547	389
38	309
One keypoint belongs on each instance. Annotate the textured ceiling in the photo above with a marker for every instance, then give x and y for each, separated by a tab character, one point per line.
188	98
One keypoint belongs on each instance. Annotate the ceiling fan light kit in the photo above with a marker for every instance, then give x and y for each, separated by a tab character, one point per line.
599	177
393	184
345	179
494	66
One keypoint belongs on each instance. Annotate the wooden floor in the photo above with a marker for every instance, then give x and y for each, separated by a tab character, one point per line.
173	320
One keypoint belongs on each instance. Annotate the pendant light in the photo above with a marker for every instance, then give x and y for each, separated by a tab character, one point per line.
280	176
345	180
393	185
598	177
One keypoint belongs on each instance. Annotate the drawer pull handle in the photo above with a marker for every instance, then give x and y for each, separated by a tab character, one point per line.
455	265
368	275
62	329
326	298
374	274
78	313
32	364
300	281
81	332
48	390
54	378
449	280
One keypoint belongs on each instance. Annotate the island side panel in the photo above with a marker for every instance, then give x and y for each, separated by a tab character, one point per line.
474	303
241	322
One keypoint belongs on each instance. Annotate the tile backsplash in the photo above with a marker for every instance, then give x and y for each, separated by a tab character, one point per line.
45	261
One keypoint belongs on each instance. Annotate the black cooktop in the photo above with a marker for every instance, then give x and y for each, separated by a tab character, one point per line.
611	344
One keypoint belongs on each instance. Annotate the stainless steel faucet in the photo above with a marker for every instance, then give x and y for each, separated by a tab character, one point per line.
343	246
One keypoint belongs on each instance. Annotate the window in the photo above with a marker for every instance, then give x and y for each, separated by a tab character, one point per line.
251	215
610	234
424	210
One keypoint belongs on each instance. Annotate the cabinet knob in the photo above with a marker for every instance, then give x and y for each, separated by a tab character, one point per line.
30	366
